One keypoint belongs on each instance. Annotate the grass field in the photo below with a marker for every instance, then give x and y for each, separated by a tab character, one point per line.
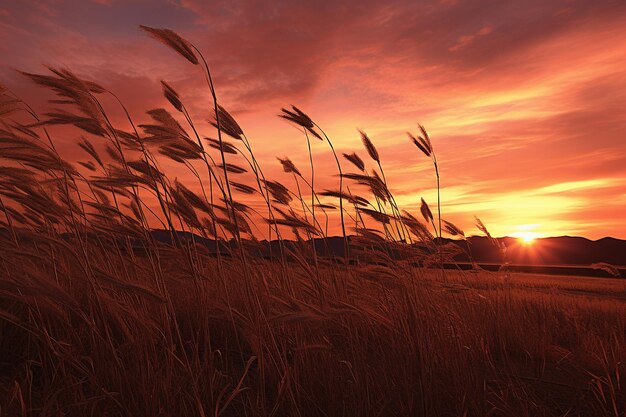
99	318
356	342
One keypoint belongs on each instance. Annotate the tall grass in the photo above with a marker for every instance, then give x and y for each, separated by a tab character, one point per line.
103	314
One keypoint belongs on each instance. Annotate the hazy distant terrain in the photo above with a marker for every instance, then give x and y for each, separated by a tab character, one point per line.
557	255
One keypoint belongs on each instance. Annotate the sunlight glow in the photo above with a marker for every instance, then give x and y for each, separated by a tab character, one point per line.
527	238
525	233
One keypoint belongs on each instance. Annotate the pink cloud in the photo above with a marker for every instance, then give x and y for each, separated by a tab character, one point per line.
518	96
465	40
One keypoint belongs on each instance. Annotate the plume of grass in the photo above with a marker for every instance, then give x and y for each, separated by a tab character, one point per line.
174	41
300	118
608	268
223	122
355	160
423	143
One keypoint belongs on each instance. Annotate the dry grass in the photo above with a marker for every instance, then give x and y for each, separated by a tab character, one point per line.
381	343
98	317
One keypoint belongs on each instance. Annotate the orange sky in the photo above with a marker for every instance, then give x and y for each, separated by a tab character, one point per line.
525	100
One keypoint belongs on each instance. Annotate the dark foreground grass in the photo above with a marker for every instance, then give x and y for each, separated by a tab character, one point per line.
132	341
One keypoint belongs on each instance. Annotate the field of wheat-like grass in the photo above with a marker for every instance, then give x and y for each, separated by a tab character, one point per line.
127	292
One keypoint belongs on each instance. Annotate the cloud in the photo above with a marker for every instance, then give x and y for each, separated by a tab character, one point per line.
465	40
517	96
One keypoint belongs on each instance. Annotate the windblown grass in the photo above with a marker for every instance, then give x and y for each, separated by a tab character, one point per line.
100	315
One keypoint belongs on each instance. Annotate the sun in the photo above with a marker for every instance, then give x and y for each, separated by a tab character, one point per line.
526	234
527	238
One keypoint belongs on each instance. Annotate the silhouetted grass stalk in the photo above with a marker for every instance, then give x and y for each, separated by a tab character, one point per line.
343	223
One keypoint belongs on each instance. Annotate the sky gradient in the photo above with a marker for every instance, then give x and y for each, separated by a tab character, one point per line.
525	101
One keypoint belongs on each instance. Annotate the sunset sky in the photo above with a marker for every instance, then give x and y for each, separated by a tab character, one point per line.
525	101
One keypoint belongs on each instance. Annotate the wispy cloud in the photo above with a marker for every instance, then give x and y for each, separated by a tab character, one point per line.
466	40
524	100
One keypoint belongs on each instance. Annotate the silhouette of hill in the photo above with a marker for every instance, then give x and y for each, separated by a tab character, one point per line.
562	250
552	251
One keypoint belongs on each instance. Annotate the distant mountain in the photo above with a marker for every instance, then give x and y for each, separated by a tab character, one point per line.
557	251
563	250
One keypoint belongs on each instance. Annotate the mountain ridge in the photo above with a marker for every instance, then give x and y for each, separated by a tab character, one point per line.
549	251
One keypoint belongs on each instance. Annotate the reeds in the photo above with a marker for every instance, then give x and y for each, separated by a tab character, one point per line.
102	313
